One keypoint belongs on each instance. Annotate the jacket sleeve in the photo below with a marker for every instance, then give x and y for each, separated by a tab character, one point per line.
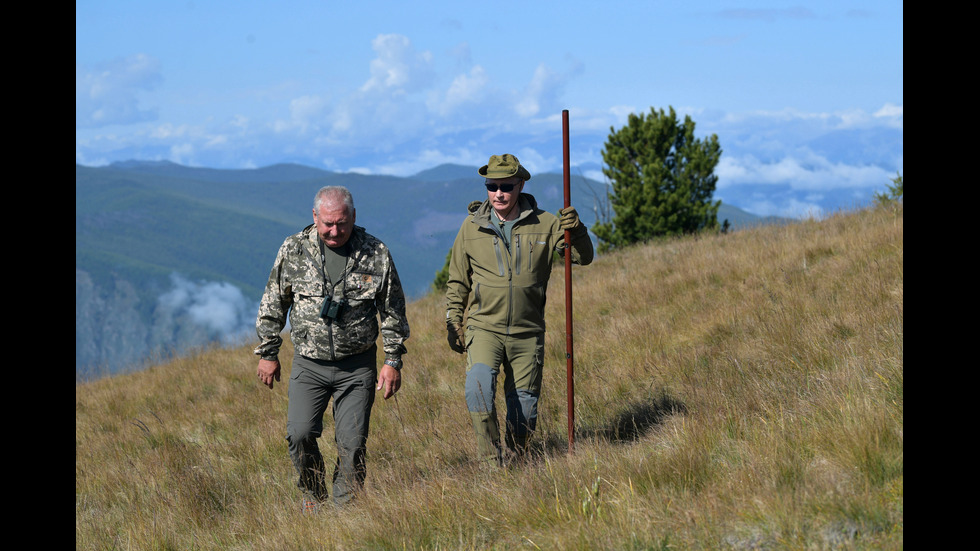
582	251
459	283
275	304
390	303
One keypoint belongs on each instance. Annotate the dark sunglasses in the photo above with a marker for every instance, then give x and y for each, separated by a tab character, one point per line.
506	188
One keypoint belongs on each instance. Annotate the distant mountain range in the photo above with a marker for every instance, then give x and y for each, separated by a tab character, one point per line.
169	256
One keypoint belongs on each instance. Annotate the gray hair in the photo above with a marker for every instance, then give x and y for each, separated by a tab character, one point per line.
334	192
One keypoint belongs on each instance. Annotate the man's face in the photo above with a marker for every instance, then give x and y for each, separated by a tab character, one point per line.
504	201
334	223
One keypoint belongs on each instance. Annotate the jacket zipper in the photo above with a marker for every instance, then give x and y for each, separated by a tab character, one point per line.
517	255
500	258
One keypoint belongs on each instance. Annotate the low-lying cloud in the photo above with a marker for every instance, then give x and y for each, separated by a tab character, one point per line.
218	308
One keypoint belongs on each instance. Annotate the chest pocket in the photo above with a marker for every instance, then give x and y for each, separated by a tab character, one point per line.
307	285
303	277
362	286
536	251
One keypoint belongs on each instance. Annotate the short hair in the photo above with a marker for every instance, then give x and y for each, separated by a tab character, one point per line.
339	192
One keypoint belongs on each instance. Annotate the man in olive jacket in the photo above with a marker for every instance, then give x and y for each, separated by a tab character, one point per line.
498	277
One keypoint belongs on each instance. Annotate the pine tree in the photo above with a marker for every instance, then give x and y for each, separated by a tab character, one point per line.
662	180
441	281
895	194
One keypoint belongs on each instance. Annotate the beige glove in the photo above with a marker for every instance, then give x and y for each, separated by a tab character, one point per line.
568	218
455	337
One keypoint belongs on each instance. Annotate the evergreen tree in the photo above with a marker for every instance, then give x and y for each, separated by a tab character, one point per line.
442	276
662	180
895	194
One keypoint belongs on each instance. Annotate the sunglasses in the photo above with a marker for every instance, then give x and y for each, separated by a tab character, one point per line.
506	188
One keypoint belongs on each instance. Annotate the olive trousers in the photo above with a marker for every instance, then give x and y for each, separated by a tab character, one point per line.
520	358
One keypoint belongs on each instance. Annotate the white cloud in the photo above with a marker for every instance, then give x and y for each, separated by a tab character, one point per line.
805	172
595	175
386	111
169	131
307	110
541	93
400	110
108	93
398	66
216	140
343	120
430	158
465	89
534	161
891	114
182	153
220	308
788	208
890	110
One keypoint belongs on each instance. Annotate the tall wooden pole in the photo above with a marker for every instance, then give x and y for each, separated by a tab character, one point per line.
569	356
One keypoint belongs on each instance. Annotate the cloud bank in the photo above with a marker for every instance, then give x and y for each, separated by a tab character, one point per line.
219	310
415	110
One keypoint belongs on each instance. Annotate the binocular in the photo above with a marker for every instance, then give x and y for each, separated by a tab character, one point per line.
330	309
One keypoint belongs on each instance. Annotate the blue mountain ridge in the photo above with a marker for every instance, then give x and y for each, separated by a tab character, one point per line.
149	234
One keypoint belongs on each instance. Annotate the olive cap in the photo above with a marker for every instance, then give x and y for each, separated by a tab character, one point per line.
504	166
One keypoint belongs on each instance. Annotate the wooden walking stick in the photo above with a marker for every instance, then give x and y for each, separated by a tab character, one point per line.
569	357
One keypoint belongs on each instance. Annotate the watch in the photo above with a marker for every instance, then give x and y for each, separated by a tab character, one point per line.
397	364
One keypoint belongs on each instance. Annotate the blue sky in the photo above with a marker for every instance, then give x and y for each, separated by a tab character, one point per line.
806	97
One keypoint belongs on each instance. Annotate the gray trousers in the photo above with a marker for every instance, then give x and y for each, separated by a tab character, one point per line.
312	383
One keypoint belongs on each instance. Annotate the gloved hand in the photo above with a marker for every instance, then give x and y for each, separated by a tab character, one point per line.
568	218
455	337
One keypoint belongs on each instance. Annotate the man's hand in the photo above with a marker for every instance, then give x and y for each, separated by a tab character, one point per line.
268	372
568	218
455	337
390	379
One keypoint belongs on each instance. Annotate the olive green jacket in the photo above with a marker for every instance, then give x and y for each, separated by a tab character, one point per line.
505	289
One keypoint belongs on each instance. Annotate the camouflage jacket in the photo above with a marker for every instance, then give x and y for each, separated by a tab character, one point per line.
503	289
297	284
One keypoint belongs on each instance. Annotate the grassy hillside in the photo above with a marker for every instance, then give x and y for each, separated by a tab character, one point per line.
742	391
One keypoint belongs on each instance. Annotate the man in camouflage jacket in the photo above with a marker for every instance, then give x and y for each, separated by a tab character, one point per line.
498	278
335	281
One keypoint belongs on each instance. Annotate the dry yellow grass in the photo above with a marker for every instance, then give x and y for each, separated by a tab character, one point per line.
739	391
